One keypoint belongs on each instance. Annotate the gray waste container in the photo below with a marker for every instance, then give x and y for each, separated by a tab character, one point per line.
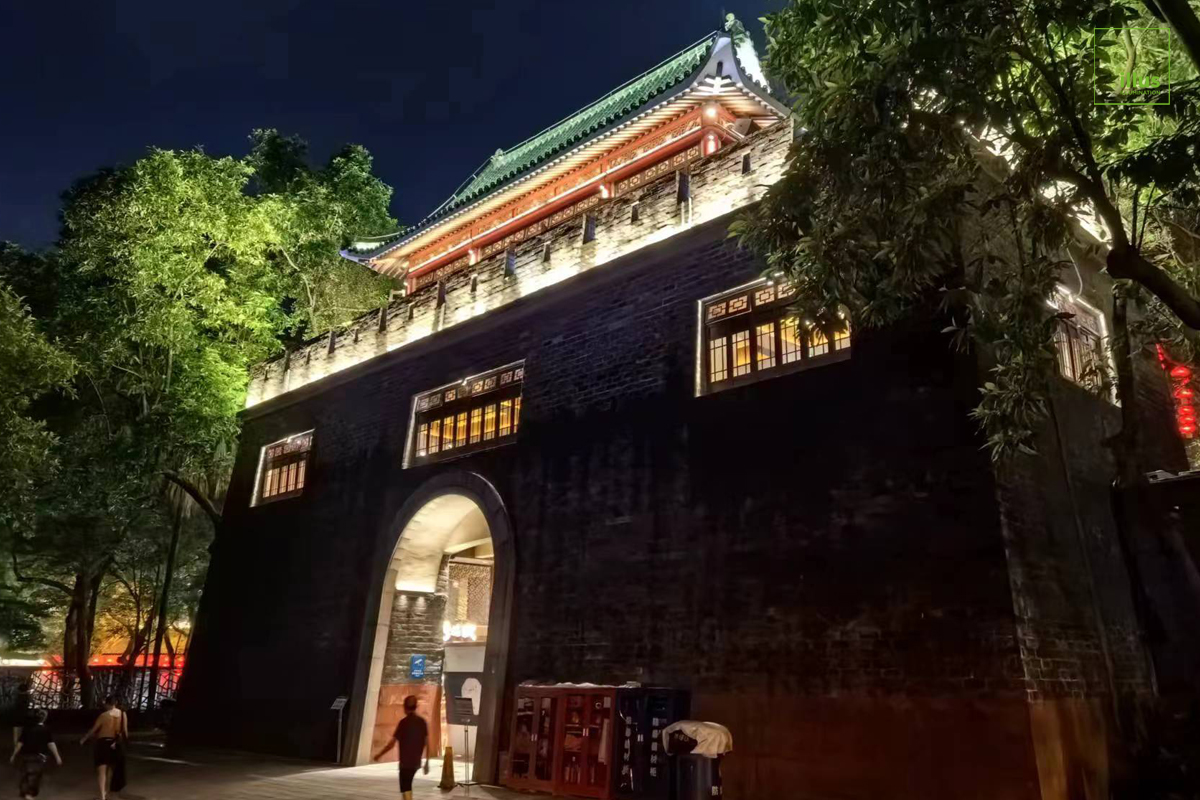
695	749
697	777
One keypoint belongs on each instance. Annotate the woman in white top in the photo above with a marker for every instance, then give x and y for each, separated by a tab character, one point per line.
111	730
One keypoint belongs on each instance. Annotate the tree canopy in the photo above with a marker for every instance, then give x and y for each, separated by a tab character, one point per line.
951	152
123	373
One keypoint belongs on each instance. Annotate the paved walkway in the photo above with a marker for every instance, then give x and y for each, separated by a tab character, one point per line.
226	776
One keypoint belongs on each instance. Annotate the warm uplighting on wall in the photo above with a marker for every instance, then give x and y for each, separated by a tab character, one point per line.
459	631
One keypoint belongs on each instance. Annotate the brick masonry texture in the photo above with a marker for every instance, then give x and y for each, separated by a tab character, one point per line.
827	560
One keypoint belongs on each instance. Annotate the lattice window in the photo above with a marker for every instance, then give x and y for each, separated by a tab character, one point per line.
283	468
1080	343
479	412
471	591
752	333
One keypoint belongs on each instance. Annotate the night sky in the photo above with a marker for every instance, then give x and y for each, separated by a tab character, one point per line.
431	89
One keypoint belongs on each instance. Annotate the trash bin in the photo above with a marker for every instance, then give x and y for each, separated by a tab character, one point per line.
695	749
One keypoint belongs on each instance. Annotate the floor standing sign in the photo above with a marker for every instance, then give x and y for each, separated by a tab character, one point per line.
338	705
463	693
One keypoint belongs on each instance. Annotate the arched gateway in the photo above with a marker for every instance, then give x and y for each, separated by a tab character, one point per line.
455	521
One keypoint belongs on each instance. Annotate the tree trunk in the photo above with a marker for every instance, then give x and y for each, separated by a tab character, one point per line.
1182	19
163	600
79	626
72	673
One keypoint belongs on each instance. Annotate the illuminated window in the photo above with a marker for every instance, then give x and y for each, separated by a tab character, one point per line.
718	370
505	417
741	353
766	345
753	332
489	422
283	468
841	337
473	414
1079	342
789	337
818	345
476	426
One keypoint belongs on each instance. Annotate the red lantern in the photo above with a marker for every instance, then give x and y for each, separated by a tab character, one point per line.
1184	393
1187	430
1181	373
1187	411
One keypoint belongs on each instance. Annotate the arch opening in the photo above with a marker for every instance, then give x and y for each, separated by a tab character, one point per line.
436	635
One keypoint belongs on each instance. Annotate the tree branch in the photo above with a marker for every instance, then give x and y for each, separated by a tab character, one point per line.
1126	262
53	584
1182	18
201	500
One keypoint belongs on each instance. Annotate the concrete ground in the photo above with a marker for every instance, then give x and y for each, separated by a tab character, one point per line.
213	775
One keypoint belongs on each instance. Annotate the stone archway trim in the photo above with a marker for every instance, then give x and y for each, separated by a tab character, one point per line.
496	657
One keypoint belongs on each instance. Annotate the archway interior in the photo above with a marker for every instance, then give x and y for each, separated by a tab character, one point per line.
432	632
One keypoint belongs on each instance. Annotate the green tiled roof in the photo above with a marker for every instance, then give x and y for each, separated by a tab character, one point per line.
507	164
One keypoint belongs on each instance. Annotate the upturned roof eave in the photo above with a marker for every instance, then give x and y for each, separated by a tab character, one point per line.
432	221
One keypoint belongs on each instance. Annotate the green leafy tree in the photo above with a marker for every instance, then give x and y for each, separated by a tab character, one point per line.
171	278
951	151
312	213
30	366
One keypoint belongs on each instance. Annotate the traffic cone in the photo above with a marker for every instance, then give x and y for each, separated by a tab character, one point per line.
448	781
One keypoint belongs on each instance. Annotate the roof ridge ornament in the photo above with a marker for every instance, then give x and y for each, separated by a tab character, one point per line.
735	28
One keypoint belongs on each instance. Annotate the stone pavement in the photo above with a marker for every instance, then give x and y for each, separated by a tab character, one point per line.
212	775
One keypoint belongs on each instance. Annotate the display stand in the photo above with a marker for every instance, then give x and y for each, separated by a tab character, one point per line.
464	708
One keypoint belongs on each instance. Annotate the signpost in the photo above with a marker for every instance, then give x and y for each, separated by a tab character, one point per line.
338	705
464	708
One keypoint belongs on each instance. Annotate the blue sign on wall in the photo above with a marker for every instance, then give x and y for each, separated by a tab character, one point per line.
416	666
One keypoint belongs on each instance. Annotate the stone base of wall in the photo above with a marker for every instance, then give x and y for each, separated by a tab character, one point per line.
1071	740
910	748
391	711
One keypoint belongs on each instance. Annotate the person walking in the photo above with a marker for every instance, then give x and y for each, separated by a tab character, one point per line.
18	716
412	734
34	749
111	732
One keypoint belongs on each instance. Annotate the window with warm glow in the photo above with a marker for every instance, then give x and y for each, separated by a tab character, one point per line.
474	414
283	468
1079	342
753	333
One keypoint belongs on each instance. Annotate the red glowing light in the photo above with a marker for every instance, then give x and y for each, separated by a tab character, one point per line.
1181	372
1184	393
1187	430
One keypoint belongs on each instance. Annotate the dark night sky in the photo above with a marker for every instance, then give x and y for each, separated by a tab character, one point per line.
431	89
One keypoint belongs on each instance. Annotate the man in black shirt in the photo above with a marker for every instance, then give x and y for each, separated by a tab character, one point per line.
412	734
34	748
